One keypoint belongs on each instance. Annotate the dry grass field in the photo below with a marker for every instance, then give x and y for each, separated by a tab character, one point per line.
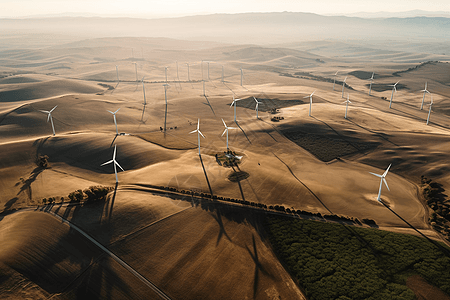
318	163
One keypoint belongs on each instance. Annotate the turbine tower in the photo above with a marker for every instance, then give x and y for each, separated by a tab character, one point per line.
143	90
394	88
346	105
334	81
310	102
424	92
135	68
115	121
189	76
226	130
242	76
234	103
50	117
114	162
382	179
343	86
166	86
371	81
429	110
257	106
199	133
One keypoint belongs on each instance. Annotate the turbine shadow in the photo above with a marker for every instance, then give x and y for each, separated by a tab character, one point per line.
239	183
443	249
209	104
206	176
243	132
112	143
115	87
258	266
222	232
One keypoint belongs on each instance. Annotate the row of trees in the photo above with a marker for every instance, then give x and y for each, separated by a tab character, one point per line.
91	194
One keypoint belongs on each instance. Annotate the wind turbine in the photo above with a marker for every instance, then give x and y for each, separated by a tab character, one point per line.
424	92
189	77
226	130
257	105
50	117
334	81
115	121
429	111
115	163
143	90
234	103
242	76
166	86
371	81
393	89
135	68
346	105
343	86
310	102
117	73
165	72
199	133
382	179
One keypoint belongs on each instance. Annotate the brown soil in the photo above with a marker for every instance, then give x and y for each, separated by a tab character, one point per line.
424	290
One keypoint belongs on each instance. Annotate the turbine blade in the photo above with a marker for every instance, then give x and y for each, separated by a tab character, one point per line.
119	165
385	182
53	108
224	123
193	131
114	154
201	134
198	124
108	162
110	112
48	117
375	174
116	111
224	131
387	170
44	111
232	127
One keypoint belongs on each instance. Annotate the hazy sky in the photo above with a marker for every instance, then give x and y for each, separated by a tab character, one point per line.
165	8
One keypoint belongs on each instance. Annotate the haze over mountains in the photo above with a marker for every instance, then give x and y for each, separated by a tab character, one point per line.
256	28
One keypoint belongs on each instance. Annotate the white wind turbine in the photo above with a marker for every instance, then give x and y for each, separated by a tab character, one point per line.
429	111
394	88
343	86
334	81
199	133
424	92
115	163
382	179
257	106
115	121
50	117
371	81
310	102
346	105
234	103
143	90
226	130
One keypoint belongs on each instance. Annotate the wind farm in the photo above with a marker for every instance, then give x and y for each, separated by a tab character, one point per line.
172	210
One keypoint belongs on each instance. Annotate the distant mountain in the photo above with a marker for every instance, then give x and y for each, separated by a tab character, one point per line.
404	14
256	28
